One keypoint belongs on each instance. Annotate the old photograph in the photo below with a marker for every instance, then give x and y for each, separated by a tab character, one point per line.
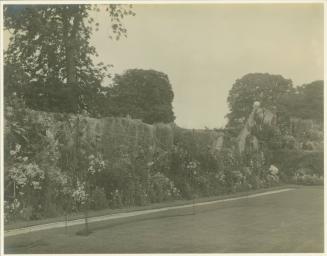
151	127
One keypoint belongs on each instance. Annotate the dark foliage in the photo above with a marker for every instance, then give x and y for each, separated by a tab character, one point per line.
306	102
49	59
289	161
141	94
262	87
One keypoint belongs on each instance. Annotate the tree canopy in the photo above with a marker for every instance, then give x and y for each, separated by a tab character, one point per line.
141	94
50	49
306	101
262	87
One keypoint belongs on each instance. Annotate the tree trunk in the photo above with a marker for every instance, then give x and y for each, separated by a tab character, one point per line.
71	23
69	50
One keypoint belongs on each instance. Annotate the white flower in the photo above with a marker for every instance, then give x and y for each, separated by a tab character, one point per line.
273	170
150	164
80	195
18	146
36	185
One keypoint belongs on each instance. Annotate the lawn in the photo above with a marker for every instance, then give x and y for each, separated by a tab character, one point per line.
107	211
291	221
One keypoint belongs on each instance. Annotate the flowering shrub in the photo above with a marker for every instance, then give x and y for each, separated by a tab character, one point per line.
26	179
192	166
79	195
272	179
272	176
23	173
96	164
28	174
307	177
87	190
162	188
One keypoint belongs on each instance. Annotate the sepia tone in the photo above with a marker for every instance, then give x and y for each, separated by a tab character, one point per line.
163	128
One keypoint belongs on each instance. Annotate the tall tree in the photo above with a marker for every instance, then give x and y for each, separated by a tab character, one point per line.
313	99
51	46
142	94
262	87
306	101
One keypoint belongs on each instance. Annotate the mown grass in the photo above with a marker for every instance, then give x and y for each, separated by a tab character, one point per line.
107	211
291	222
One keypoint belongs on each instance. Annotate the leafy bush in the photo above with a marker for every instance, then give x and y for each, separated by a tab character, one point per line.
289	161
308	179
288	142
11	210
80	196
162	189
306	176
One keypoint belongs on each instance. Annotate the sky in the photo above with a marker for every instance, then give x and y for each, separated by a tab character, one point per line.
204	48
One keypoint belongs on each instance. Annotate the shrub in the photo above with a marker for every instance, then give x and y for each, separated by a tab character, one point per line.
289	161
162	188
308	179
306	176
11	210
288	142
80	196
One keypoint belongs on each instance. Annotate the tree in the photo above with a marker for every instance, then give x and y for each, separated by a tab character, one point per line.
142	94
305	101
49	62
262	87
313	104
50	44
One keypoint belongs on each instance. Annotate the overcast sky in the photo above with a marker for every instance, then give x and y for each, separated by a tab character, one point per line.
204	48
